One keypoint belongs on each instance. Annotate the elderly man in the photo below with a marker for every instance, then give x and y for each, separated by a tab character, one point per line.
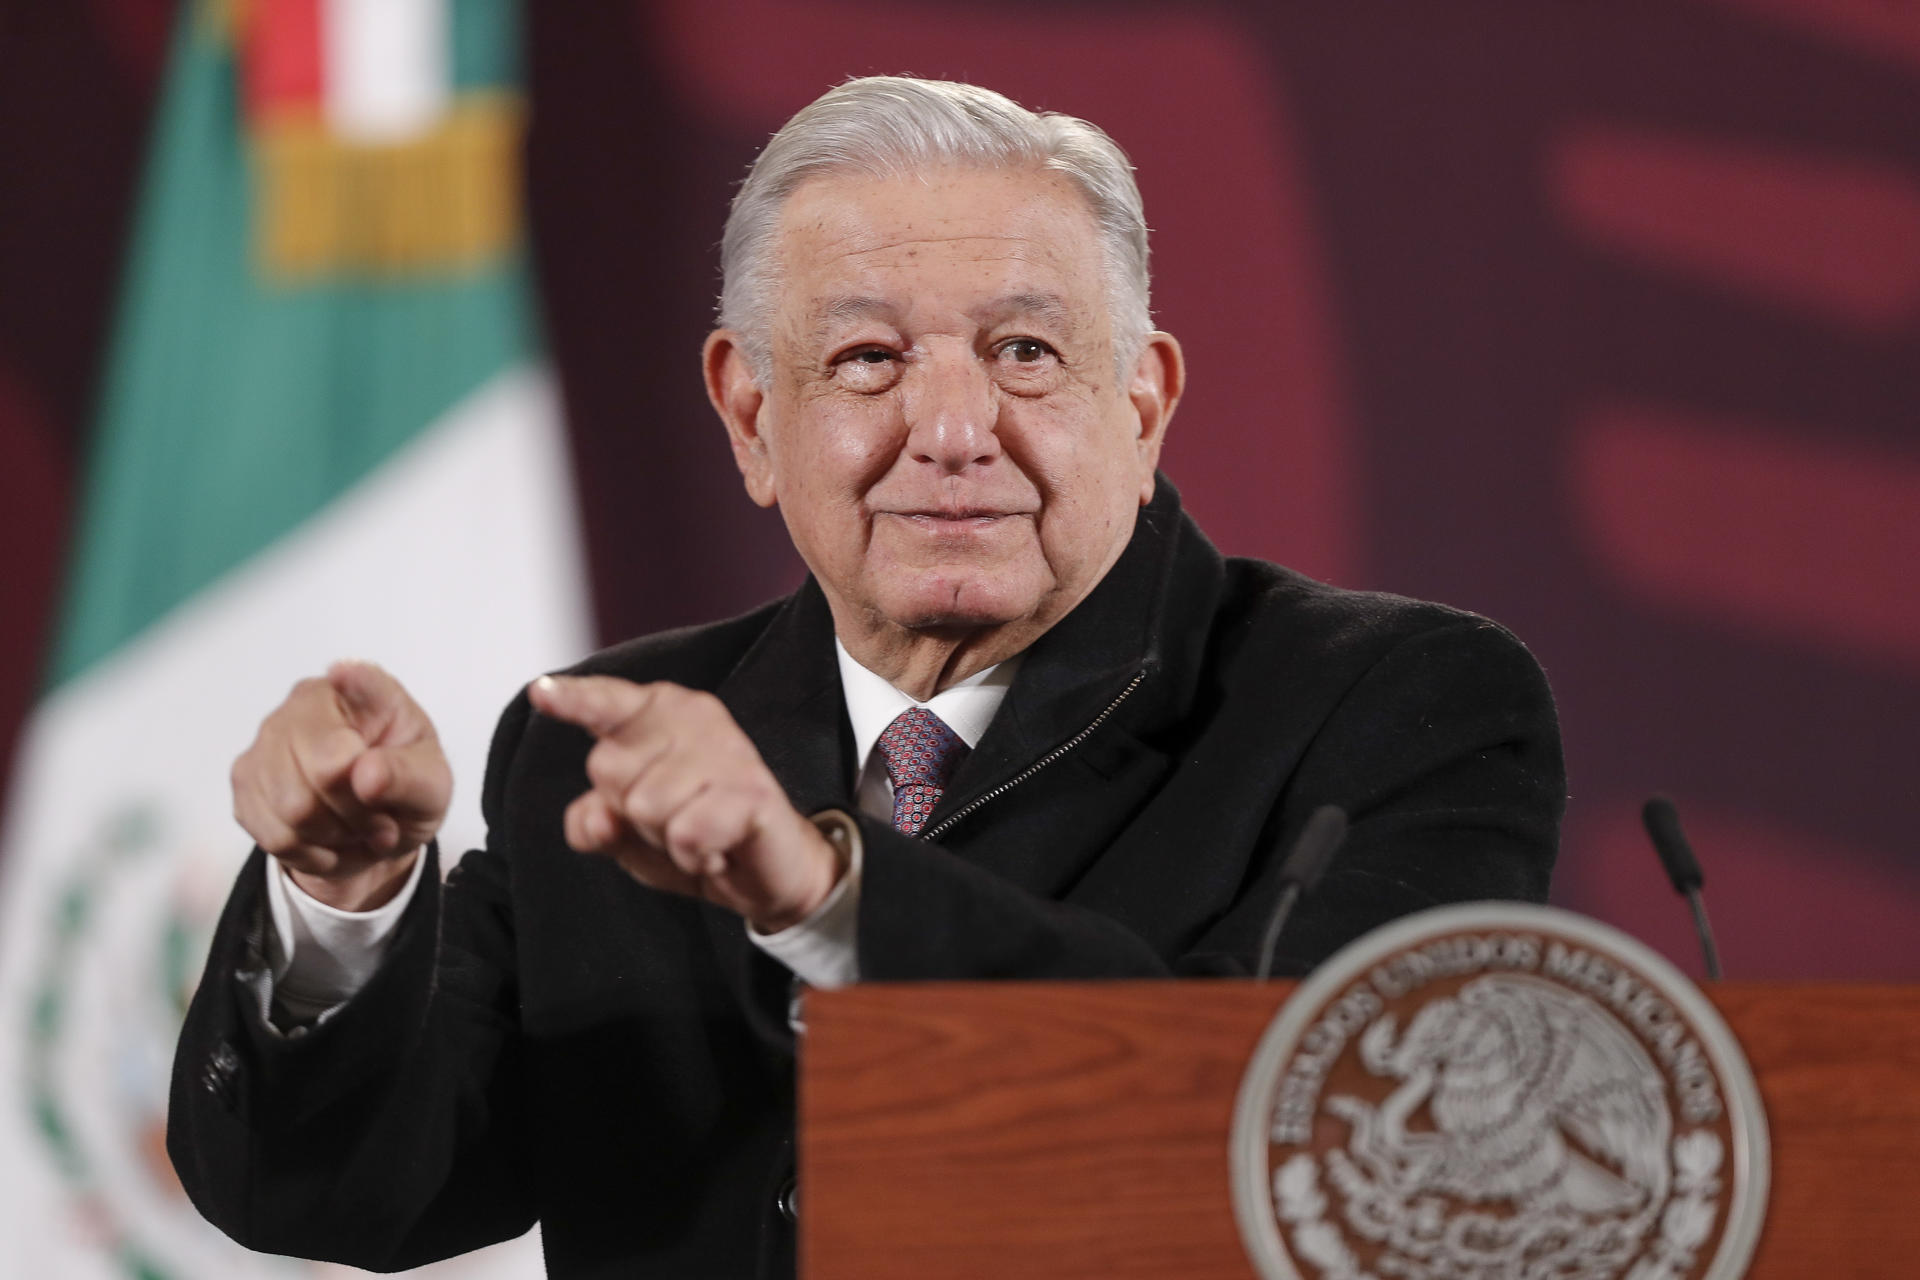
1022	721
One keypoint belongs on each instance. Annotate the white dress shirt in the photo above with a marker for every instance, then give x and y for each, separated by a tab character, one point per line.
320	956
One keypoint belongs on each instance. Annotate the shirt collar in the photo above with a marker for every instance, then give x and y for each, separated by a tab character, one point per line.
872	704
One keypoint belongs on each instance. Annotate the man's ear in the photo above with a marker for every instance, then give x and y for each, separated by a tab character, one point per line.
738	399
1159	376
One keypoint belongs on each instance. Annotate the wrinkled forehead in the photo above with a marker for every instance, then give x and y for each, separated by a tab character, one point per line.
950	242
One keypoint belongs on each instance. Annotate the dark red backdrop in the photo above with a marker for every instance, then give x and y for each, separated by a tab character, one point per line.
1601	318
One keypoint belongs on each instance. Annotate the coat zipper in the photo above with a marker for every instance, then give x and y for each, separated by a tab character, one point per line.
946	823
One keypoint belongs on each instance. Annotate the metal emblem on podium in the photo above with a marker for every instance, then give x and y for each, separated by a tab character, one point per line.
1497	1091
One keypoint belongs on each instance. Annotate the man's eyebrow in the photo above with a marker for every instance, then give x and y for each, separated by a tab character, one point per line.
853	307
1050	307
1042	305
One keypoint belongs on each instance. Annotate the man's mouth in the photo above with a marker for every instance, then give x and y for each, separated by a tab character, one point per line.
946	519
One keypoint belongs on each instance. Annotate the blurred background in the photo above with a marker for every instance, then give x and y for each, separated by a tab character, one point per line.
1601	318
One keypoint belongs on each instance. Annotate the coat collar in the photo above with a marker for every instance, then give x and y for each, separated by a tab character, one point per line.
785	692
1083	663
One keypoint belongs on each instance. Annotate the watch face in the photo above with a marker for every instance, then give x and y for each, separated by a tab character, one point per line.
1496	1091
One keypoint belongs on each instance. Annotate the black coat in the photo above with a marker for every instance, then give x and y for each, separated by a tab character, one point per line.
549	1039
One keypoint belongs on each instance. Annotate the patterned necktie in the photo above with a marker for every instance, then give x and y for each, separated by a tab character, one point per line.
921	753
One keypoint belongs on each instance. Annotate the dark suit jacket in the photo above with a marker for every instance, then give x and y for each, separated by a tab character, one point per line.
549	1039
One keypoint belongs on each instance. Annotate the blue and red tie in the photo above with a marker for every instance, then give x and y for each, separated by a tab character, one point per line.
921	753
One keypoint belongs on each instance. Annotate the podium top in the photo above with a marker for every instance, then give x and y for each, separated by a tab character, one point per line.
1068	1130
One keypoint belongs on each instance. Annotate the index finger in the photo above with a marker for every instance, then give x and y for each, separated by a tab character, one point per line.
372	698
599	704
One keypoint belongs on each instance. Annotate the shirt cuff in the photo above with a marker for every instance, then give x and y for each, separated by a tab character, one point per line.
823	949
320	956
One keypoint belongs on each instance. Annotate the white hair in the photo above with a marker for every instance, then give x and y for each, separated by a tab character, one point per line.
896	126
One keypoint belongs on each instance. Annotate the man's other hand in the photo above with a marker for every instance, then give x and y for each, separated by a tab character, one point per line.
344	783
681	799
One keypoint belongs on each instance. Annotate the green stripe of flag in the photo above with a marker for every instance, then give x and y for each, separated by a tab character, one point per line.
234	407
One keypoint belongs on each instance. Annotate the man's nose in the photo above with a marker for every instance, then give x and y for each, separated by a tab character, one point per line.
952	411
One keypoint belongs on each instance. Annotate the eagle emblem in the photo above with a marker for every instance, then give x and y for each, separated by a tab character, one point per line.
1495	1096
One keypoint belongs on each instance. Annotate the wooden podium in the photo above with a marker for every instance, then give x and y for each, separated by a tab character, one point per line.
1021	1131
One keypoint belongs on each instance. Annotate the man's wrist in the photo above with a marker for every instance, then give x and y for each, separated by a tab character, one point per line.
836	830
368	889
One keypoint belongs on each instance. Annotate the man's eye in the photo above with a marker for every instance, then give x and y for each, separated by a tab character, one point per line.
867	369
1025	350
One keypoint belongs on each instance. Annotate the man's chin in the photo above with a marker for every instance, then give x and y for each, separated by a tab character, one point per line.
951	607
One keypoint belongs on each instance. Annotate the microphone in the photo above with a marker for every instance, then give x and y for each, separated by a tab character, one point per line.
1305	863
1683	869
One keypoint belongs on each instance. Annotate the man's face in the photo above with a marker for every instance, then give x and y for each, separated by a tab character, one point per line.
943	427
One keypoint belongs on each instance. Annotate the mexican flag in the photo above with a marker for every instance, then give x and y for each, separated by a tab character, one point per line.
325	430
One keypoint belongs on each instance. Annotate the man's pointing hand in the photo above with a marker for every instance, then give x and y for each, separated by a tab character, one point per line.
343	784
681	799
